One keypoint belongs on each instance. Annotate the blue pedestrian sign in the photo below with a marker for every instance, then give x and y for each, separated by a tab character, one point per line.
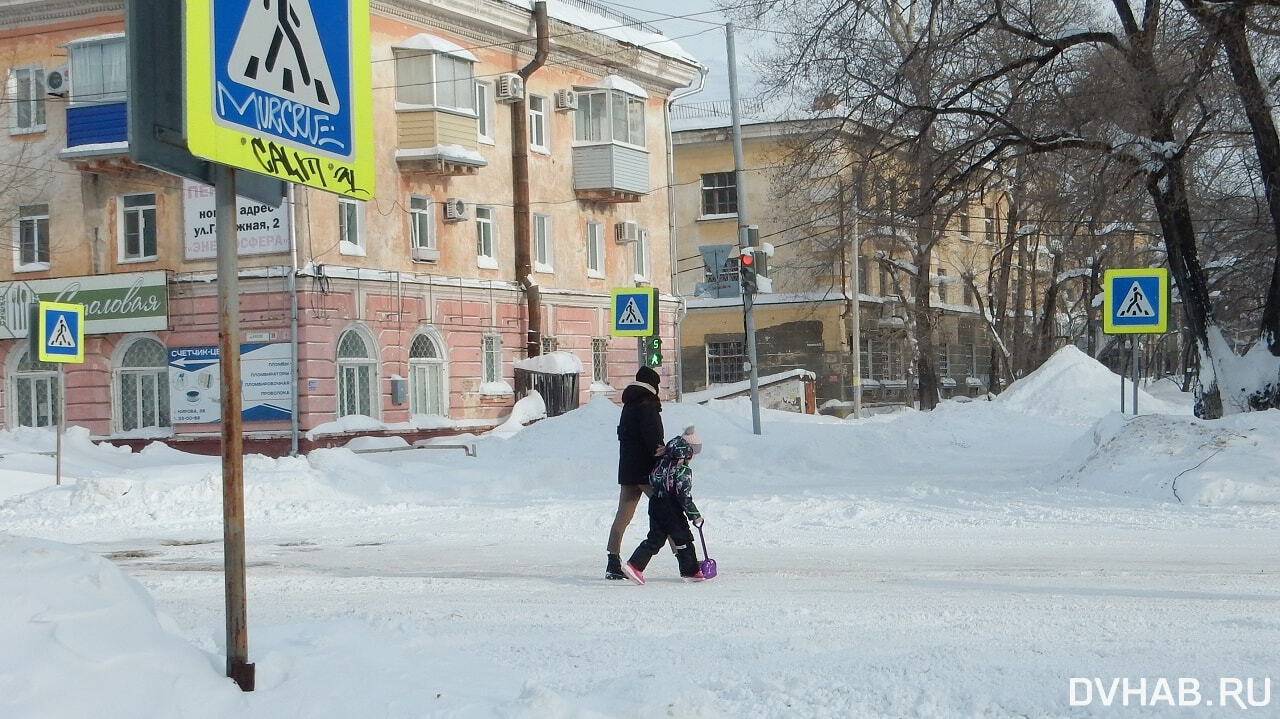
634	311
60	328
284	89
1136	301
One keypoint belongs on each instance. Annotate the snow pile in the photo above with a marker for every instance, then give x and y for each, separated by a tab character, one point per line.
1071	386
70	615
962	562
1183	459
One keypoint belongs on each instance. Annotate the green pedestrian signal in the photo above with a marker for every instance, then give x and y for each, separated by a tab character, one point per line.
653	351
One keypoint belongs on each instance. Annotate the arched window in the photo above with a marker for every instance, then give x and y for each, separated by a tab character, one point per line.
428	387
142	386
33	393
356	375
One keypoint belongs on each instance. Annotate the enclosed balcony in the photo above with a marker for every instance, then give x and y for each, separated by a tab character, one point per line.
610	160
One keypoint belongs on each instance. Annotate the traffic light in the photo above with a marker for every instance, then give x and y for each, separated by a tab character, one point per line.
747	270
653	351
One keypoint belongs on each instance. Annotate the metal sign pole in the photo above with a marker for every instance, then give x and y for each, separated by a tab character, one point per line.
62	421
238	666
1123	369
1134	363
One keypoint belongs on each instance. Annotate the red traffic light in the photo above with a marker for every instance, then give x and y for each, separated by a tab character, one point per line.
747	259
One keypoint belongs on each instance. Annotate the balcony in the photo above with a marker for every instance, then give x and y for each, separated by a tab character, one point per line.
437	142
98	138
610	172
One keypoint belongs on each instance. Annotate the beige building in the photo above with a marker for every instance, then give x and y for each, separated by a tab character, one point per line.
406	312
813	214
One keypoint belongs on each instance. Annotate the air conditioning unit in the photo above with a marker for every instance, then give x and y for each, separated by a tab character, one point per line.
566	99
57	81
625	232
455	209
510	87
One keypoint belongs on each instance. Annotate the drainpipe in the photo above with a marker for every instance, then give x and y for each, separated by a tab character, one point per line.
520	180
671	223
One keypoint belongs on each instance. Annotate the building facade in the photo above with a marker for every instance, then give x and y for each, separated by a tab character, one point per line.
403	312
813	215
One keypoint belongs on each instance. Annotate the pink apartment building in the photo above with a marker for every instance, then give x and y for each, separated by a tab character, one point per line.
404	313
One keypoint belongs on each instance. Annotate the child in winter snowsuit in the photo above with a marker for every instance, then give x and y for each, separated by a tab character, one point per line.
671	508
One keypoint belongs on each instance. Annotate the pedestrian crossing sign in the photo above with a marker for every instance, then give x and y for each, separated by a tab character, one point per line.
283	89
1136	301
60	327
634	310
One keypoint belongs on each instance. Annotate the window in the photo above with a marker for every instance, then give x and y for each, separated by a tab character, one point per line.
33	237
485	250
730	271
538	139
862	276
642	255
897	361
491	358
27	92
542	243
432	79
484	111
719	194
100	71
866	355
350	226
989	223
966	333
724	362
944	359
428	389
942	284
609	116
963	214
600	360
589	122
138	225
142	386
968	295
35	398
356	385
886	281
595	249
548	344
422	228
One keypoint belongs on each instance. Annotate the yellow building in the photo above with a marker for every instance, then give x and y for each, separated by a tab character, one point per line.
411	308
813	213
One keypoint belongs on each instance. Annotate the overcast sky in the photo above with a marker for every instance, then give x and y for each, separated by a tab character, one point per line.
699	28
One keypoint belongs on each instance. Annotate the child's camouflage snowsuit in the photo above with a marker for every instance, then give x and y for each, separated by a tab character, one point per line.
672	477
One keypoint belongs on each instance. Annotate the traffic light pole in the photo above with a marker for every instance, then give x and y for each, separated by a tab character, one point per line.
748	314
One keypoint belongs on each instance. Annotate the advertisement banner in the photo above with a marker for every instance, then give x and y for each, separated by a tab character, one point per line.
261	229
266	383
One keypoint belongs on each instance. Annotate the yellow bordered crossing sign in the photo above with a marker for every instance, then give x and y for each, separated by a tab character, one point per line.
283	89
60	329
634	311
1136	301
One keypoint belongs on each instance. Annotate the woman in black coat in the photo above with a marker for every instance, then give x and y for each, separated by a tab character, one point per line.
640	439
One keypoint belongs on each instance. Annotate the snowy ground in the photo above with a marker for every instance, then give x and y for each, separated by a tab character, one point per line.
1005	558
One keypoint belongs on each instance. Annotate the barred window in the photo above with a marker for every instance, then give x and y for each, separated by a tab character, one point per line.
724	362
491	359
142	386
600	359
